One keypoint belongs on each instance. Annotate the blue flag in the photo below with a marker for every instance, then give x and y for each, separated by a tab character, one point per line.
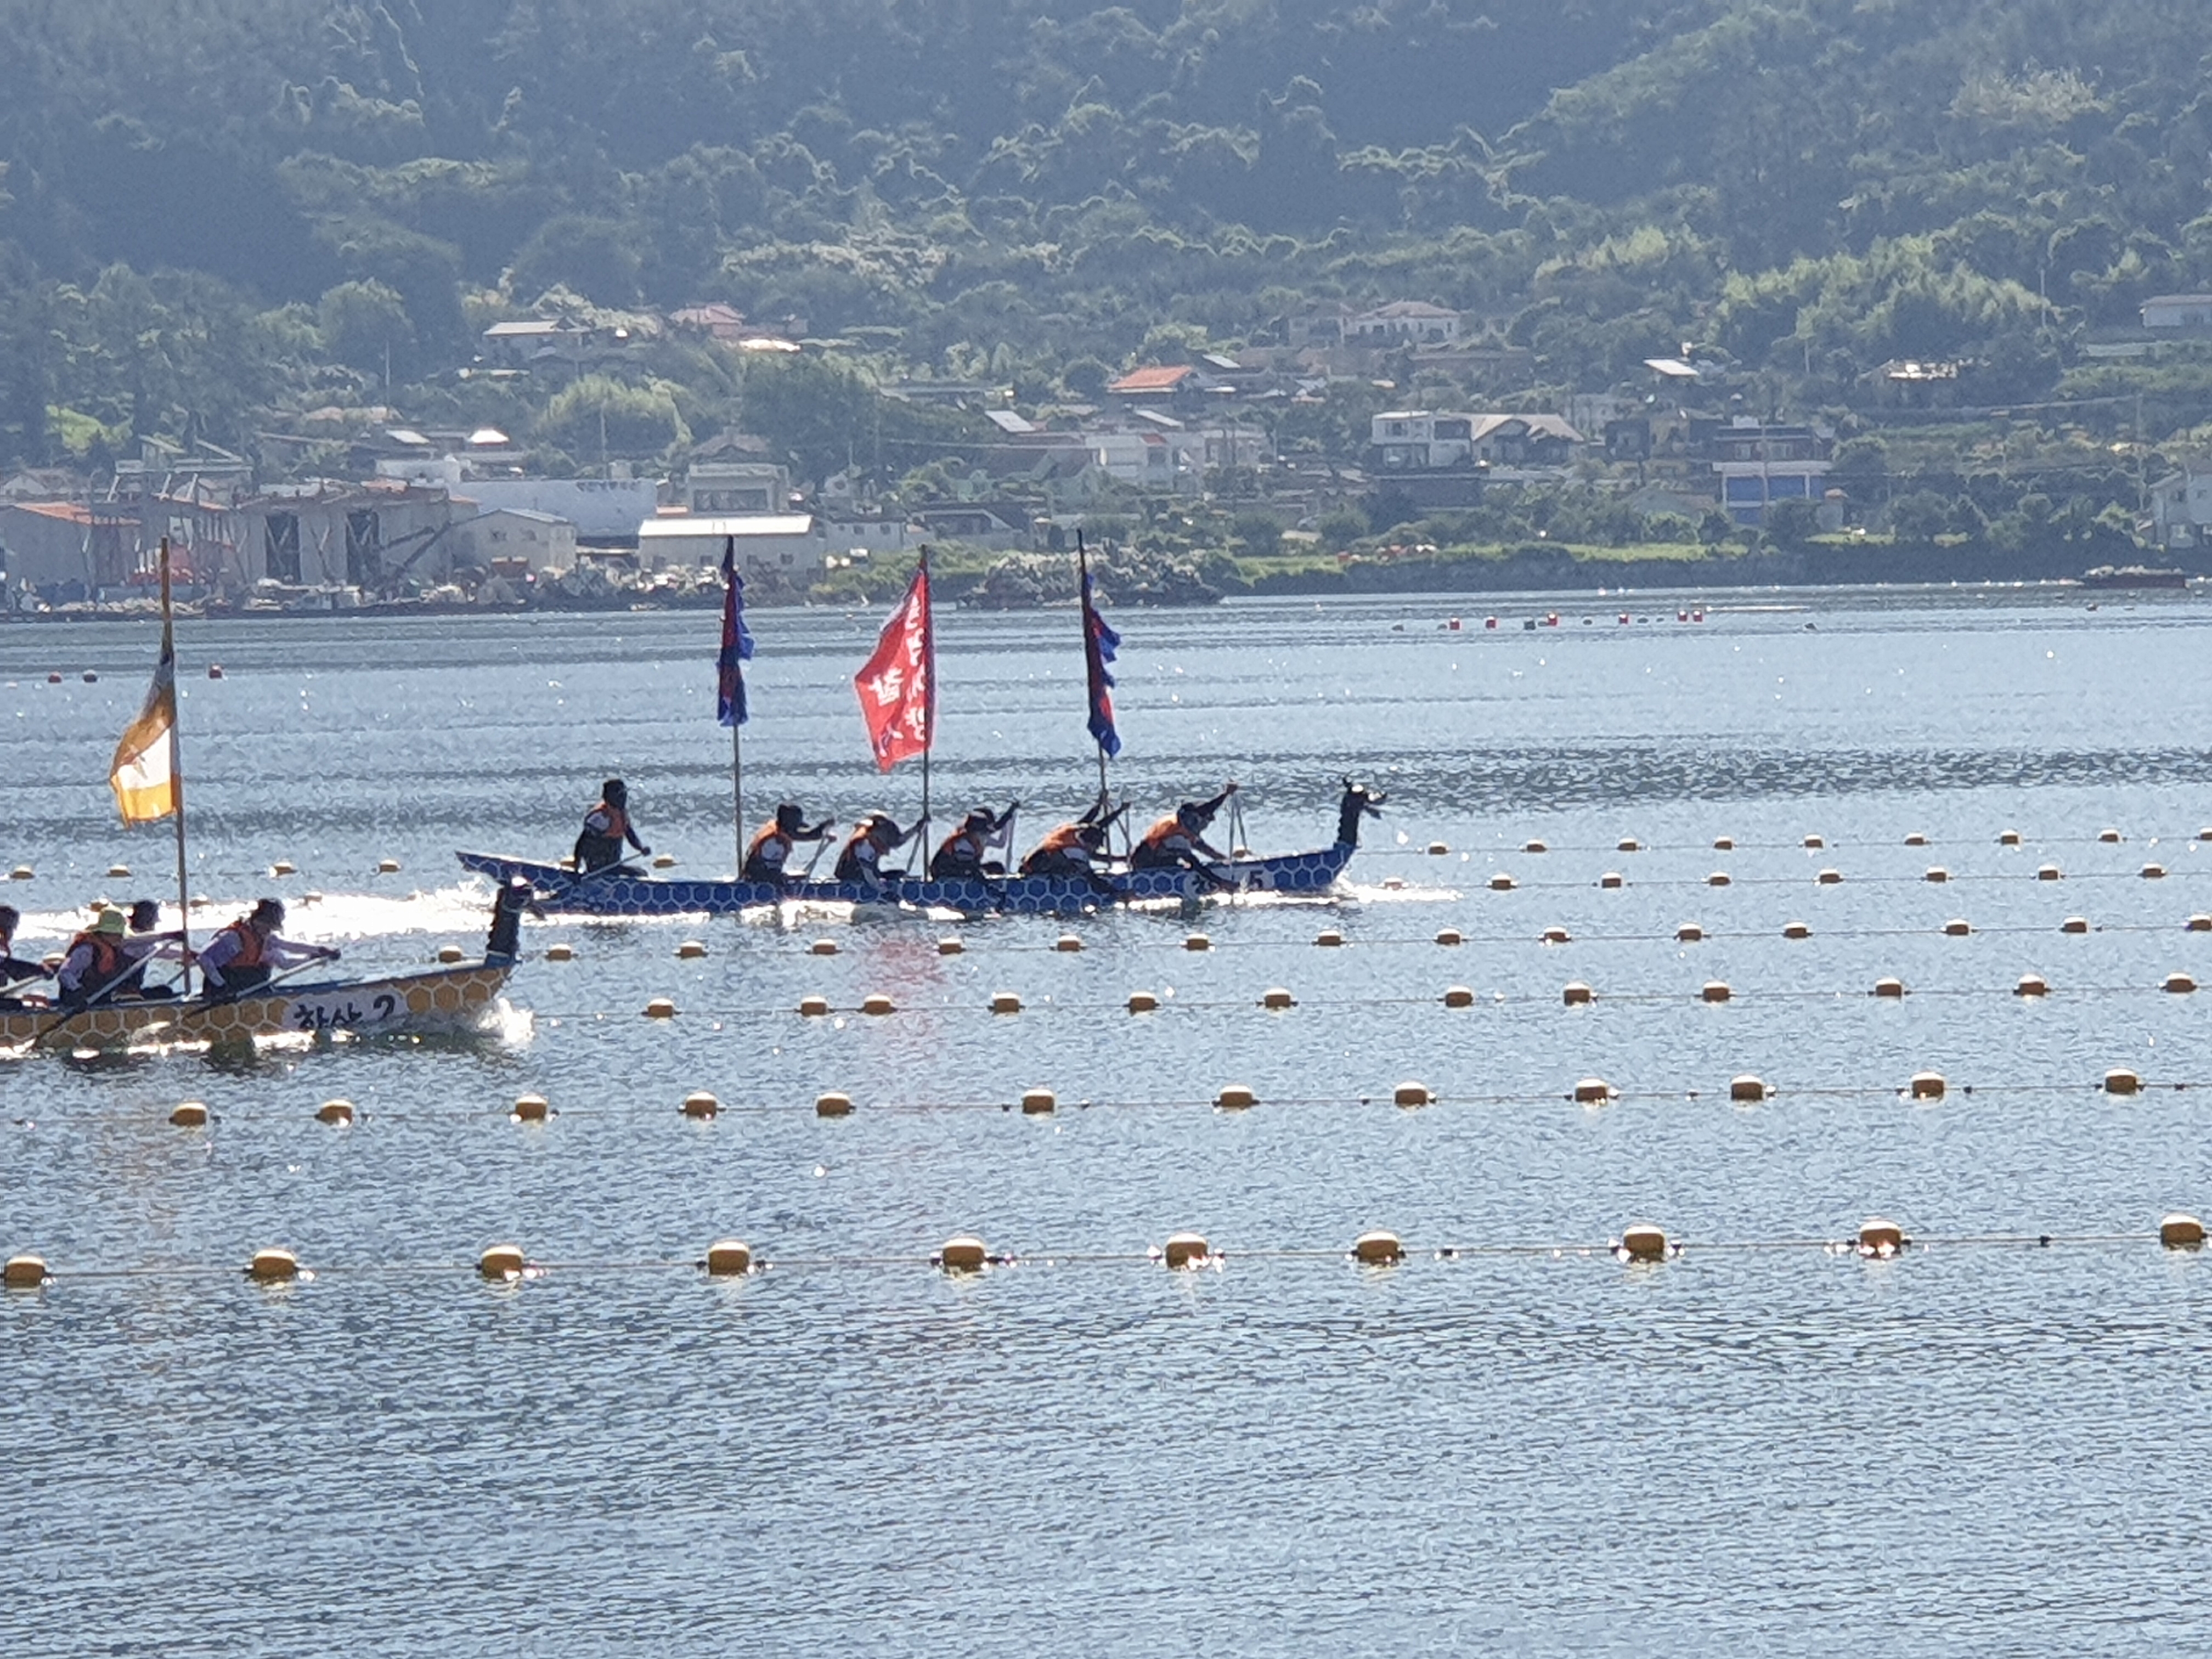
737	641
1099	644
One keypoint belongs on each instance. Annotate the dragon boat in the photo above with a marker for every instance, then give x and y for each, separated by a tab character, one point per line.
617	891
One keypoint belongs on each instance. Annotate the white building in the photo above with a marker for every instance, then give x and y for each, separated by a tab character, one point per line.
1404	322
602	509
1423	441
2177	310
793	545
2181	507
511	540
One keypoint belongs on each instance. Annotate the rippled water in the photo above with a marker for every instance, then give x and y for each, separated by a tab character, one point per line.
1978	1446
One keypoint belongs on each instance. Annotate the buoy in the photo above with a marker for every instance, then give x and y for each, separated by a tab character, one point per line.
560	953
700	1103
1197	942
2154	872
1628	844
532	1109
1394	883
729	1258
1068	942
1236	1097
2199	923
2122	1081
2109	836
449	953
215	671
1447	936
963	1254
1813	843
2179	984
1004	1002
1927	1085
387	867
1377	1249
1411	1094
2047	872
1533	847
54	678
2032	985
1610	879
1185	1250
1718	878
273	1266
2008	837
21	872
1576	993
1830	878
1745	1086
118	870
1437	849
91	677
335	1112
664	862
1143	1002
823	947
1936	872
1276	997
501	1262
24	1273
690	950
660	1008
1501	883
949	946
1553	936
282	867
833	1105
1036	1102
1328	938
1716	990
1957	927
1594	1091
1644	1242
1877	1236
877	1003
1889	987
1916	839
189	1115
2074	925
1689	933
1723	843
814	1007
1458	996
1796	930
2176	1231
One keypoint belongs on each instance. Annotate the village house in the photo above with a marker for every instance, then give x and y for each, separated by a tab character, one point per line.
2181	507
792	547
2177	310
331	534
513	541
1755	464
1402	322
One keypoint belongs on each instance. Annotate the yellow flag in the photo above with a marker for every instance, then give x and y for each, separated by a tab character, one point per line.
144	776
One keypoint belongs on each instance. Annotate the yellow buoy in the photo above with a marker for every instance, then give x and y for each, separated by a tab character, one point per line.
1796	930
1377	1248
1830	878
21	872
1745	1086
2047	872
1143	1002
1594	1091
833	1105
532	1109
1879	1237
729	1258
1533	847
1555	936
1716	990
1036	1102
387	867
313	895
1185	1250
814	1007
2122	1081
1458	996
1328	938
2181	1232
1610	879
2199	923
660	1008
1916	839
2109	836
1437	849
1927	1085
1936	872
1689	933
450	953
877	1003
2032	985
1889	987
1068	942
949	946
700	1103
502	1263
690	950
1718	878
1276	997
1957	927
1197	942
1644	1242
664	862
1628	844
189	1115
823	947
1723	843
2074	925
2154	872
1236	1097
560	953
1813	843
24	1273
282	867
1006	1002
1501	883
1447	936
118	870
2008	837
1411	1094
962	1254
1574	994
1394	883
2180	984
335	1111
273	1266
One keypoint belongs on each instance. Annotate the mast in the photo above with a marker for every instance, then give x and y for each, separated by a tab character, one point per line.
1083	616
929	672
177	775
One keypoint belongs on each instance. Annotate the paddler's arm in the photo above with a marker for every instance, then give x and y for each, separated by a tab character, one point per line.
629	834
290	953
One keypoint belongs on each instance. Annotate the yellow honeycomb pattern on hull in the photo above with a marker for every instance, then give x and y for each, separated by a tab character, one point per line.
403	1002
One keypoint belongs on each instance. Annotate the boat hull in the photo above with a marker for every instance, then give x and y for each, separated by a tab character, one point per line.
625	895
441	998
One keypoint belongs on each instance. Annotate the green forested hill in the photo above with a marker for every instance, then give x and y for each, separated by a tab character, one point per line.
218	210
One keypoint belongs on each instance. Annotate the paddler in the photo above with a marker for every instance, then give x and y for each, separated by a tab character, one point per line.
960	858
606	826
861	860
95	964
144	944
244	955
13	967
768	858
1073	848
1178	841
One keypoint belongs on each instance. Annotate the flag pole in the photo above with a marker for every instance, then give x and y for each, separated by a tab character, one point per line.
737	744
929	654
177	777
1083	617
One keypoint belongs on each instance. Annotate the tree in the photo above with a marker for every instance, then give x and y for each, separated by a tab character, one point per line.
366	327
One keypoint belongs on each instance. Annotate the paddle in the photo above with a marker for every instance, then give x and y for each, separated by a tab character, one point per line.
88	1005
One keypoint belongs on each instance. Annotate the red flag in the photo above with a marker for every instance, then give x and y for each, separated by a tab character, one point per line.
898	685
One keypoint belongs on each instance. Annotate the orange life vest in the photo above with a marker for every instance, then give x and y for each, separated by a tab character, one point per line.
250	953
617	830
773	835
1167	835
1066	839
107	958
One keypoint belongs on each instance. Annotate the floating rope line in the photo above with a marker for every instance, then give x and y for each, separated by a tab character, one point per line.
1630	846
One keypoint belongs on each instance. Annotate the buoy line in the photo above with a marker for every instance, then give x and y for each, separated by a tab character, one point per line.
1639	1244
2009	840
